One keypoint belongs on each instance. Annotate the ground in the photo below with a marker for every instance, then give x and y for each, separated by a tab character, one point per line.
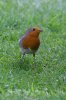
23	80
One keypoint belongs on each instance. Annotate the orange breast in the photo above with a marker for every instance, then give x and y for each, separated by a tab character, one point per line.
31	42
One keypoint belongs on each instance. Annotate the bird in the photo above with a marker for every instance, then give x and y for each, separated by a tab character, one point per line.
30	42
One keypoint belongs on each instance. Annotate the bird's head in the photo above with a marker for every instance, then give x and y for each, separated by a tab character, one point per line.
34	32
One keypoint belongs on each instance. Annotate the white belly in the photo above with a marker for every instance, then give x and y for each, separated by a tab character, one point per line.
27	51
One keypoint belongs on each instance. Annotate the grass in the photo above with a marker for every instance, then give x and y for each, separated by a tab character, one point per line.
24	81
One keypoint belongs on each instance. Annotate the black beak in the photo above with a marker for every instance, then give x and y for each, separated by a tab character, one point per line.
41	30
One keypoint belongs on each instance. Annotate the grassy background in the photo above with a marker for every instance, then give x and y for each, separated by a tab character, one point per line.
24	81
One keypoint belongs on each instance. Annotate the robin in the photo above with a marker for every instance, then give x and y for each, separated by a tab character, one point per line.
30	42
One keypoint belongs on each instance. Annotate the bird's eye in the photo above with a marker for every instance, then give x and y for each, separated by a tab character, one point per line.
33	29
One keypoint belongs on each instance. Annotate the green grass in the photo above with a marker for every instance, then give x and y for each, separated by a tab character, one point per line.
24	81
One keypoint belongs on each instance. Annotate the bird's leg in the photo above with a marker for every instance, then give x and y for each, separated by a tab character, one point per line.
34	59
23	56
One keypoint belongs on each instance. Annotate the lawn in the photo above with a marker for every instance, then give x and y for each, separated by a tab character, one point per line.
23	80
